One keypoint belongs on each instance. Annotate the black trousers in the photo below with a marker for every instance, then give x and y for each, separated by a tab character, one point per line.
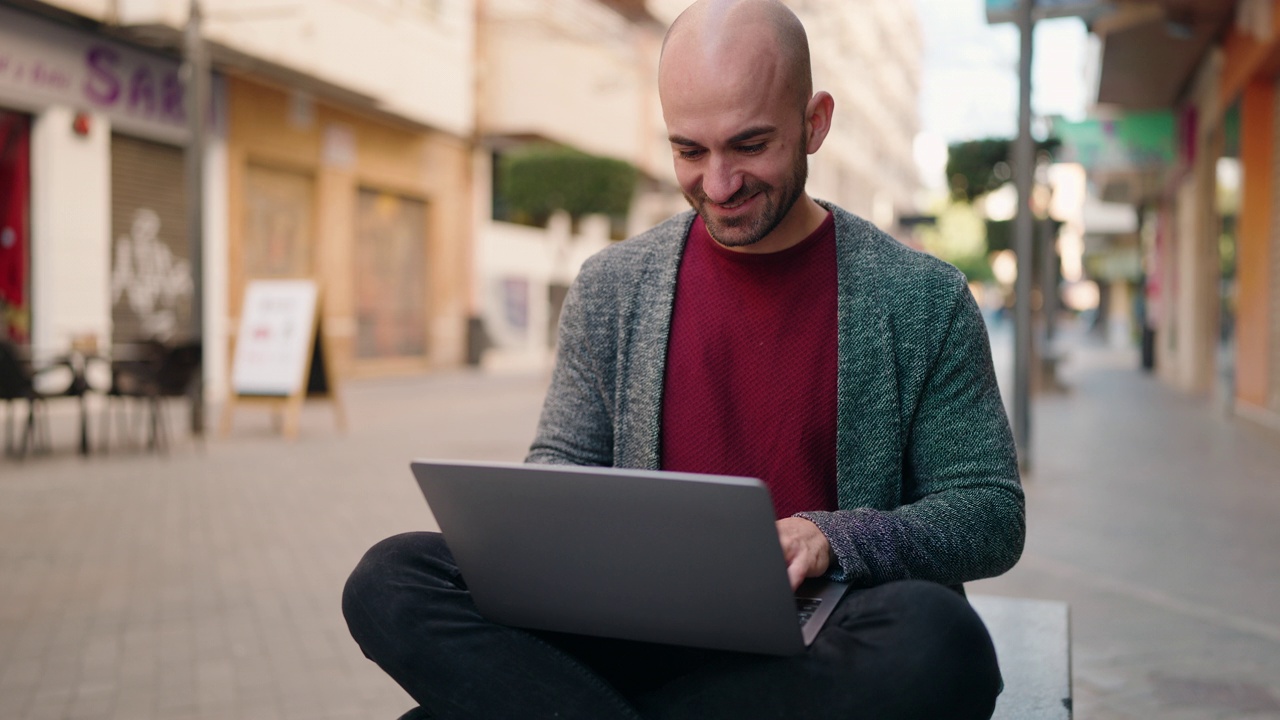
908	649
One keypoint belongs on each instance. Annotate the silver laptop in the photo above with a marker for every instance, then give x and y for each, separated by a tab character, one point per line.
658	557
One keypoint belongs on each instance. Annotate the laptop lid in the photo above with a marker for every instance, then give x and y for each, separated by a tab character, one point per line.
661	557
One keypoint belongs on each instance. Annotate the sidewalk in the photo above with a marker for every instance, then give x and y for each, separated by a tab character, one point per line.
1157	520
206	584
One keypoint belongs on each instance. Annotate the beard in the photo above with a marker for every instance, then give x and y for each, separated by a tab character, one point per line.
776	202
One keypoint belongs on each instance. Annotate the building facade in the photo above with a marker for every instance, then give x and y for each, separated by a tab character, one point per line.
355	144
92	234
1212	235
336	149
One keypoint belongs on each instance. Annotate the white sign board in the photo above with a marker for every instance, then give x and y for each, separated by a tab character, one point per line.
276	338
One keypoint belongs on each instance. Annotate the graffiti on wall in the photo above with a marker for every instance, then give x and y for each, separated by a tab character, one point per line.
148	277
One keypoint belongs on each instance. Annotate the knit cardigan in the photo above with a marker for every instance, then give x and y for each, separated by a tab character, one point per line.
926	469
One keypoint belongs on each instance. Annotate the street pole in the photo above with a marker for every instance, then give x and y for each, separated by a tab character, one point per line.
196	73
1049	280
1024	152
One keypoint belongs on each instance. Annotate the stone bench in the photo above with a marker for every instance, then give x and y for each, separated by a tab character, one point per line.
1033	645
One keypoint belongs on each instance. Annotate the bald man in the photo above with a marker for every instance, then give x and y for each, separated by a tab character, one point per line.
764	334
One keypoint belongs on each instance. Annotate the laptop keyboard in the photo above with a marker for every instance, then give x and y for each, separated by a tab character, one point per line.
805	607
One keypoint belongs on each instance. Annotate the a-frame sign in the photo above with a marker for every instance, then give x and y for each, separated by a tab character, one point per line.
281	356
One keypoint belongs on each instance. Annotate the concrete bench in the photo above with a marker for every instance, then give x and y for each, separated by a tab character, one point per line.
1033	644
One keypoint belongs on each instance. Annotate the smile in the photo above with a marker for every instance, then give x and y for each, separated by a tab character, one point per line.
736	205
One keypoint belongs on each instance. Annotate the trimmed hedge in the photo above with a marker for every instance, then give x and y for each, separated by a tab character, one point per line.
536	180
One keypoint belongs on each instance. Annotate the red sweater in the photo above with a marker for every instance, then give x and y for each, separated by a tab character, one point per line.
751	368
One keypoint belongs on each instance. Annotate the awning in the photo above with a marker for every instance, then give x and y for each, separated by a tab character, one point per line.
1151	48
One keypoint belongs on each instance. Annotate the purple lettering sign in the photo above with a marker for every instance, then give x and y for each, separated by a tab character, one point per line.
101	86
46	62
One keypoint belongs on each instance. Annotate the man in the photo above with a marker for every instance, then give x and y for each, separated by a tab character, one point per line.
765	334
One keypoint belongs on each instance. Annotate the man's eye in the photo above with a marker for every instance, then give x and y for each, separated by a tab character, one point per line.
751	149
690	154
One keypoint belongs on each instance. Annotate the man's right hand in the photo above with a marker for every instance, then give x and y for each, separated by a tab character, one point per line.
805	548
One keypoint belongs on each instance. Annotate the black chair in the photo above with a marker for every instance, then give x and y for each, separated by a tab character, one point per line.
17	382
151	372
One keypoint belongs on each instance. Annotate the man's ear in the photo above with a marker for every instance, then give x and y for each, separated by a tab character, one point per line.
817	120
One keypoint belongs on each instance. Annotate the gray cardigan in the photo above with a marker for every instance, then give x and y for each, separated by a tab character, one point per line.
927	474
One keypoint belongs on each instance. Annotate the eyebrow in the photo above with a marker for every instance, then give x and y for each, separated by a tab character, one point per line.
747	134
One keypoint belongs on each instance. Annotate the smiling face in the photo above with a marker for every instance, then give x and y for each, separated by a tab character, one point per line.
741	124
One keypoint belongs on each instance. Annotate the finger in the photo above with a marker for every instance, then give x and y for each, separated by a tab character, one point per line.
796	573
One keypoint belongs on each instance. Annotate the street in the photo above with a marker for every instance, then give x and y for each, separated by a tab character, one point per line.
205	583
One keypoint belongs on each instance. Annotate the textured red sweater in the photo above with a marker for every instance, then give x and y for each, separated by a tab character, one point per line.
751	368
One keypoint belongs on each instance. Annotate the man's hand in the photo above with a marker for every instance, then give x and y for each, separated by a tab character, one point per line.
805	548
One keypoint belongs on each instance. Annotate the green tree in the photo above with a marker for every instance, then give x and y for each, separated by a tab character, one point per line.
958	237
537	180
977	167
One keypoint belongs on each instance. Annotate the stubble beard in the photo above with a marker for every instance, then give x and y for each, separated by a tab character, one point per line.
746	230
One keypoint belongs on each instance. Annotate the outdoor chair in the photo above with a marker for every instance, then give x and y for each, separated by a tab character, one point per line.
151	372
18	382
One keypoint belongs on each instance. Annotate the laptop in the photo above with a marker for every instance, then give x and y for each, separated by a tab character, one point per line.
660	557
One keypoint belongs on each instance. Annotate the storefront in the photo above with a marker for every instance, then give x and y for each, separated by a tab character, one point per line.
93	238
151	283
374	209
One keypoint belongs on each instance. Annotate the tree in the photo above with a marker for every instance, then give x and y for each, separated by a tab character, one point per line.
537	180
977	167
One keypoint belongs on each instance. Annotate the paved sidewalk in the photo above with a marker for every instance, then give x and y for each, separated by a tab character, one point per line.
1159	522
206	584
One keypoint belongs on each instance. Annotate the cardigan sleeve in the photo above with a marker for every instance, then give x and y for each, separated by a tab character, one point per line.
576	426
962	515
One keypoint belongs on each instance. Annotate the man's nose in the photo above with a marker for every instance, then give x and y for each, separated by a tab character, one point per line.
721	181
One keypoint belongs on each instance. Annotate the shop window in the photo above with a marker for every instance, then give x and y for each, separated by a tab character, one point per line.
391	276
278	223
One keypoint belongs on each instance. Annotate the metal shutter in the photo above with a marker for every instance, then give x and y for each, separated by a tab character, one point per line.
151	283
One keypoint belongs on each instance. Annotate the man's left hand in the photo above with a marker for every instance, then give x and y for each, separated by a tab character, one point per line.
805	548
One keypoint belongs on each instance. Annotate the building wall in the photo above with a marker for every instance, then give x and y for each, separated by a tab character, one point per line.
337	152
1254	242
70	230
868	56
1273	286
1251	56
1193	325
571	71
410	58
82	90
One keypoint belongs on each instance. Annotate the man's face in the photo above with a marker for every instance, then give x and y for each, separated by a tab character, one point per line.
739	143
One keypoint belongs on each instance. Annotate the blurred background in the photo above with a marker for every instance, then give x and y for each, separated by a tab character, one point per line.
441	169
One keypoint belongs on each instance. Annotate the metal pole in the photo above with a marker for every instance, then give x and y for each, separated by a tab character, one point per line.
196	73
1049	279
1024	232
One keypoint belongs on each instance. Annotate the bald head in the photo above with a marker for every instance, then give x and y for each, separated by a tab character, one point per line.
746	35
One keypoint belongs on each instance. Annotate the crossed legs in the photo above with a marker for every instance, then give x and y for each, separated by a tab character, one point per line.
906	650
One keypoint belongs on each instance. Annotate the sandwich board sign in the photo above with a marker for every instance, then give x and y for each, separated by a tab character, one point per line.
281	353
1005	11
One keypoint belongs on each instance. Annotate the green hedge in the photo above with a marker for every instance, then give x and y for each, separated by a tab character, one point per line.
536	180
